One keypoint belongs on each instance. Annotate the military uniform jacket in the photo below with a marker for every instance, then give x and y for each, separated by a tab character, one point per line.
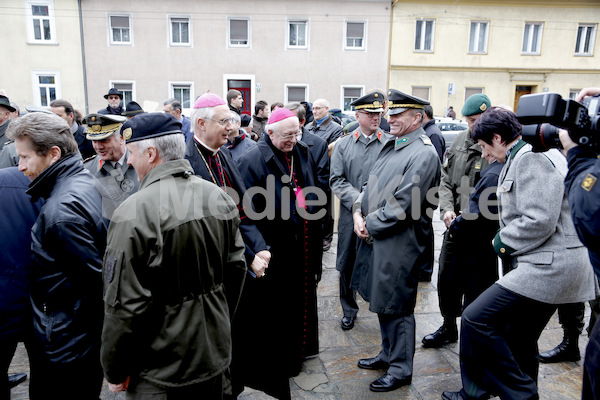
386	272
351	160
537	235
173	274
115	185
584	197
464	160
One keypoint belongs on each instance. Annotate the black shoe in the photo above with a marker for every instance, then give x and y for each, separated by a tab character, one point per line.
348	323
326	244
440	337
15	379
387	383
424	277
452	396
567	350
372	363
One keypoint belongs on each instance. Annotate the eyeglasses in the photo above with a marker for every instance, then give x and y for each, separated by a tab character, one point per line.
318	108
289	137
369	114
222	122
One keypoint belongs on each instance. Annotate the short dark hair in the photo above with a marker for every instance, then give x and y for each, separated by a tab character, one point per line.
63	103
497	120
277	104
260	105
428	111
232	94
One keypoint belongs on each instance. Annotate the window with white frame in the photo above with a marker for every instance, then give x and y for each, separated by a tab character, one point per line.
478	37
573	93
585	39
183	92
351	93
46	87
470	91
298	34
532	38
355	35
424	35
120	29
126	89
296	93
41	28
422	92
239	32
180	31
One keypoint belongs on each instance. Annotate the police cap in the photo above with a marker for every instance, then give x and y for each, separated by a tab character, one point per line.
101	126
371	102
150	125
399	102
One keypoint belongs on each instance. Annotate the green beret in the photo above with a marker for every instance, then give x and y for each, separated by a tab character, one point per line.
476	104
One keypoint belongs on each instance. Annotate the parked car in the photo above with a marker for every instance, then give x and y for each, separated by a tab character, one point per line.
450	128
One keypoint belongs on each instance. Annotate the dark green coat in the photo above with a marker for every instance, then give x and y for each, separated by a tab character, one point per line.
173	273
463	163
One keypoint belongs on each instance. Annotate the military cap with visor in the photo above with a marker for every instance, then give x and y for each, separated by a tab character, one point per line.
476	104
150	125
399	102
370	102
102	126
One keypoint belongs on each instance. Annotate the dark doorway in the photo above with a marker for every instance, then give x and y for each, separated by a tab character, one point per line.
520	91
244	87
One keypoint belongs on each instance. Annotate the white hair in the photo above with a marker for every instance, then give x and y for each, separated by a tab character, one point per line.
204	113
169	147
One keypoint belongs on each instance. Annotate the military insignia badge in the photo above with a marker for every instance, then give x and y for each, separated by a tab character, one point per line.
109	268
127	185
127	134
478	164
426	140
483	107
588	182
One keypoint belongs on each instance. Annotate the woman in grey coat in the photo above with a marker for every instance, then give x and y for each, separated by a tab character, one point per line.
549	266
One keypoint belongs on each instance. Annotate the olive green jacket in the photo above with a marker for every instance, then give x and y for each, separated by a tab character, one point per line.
463	165
173	274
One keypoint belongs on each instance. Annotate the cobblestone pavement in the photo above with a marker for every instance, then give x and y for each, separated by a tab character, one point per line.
334	374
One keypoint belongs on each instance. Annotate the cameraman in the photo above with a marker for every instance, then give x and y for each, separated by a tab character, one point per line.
584	200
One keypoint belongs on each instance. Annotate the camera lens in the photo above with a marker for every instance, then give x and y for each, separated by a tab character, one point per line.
541	137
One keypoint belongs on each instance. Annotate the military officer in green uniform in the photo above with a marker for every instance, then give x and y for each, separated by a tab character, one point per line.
391	216
460	173
116	180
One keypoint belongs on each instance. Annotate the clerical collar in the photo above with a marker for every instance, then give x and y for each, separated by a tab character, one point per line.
213	151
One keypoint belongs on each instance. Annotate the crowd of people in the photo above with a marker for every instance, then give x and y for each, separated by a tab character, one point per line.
179	257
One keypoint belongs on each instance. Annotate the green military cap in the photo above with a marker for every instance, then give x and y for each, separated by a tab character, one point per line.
101	126
476	104
399	102
371	102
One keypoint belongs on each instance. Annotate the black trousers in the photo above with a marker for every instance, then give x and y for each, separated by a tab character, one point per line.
591	367
7	351
466	269
214	388
425	260
498	344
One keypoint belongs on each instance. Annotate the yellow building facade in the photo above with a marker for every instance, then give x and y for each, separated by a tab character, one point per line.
445	51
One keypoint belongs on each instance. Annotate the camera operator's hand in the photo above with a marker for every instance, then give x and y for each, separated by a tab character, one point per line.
587	92
566	141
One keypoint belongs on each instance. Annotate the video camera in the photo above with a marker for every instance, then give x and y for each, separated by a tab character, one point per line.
542	114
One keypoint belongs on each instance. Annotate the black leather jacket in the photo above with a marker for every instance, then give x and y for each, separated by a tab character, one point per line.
68	242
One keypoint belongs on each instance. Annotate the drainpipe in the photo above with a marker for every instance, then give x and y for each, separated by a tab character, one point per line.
85	88
389	65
